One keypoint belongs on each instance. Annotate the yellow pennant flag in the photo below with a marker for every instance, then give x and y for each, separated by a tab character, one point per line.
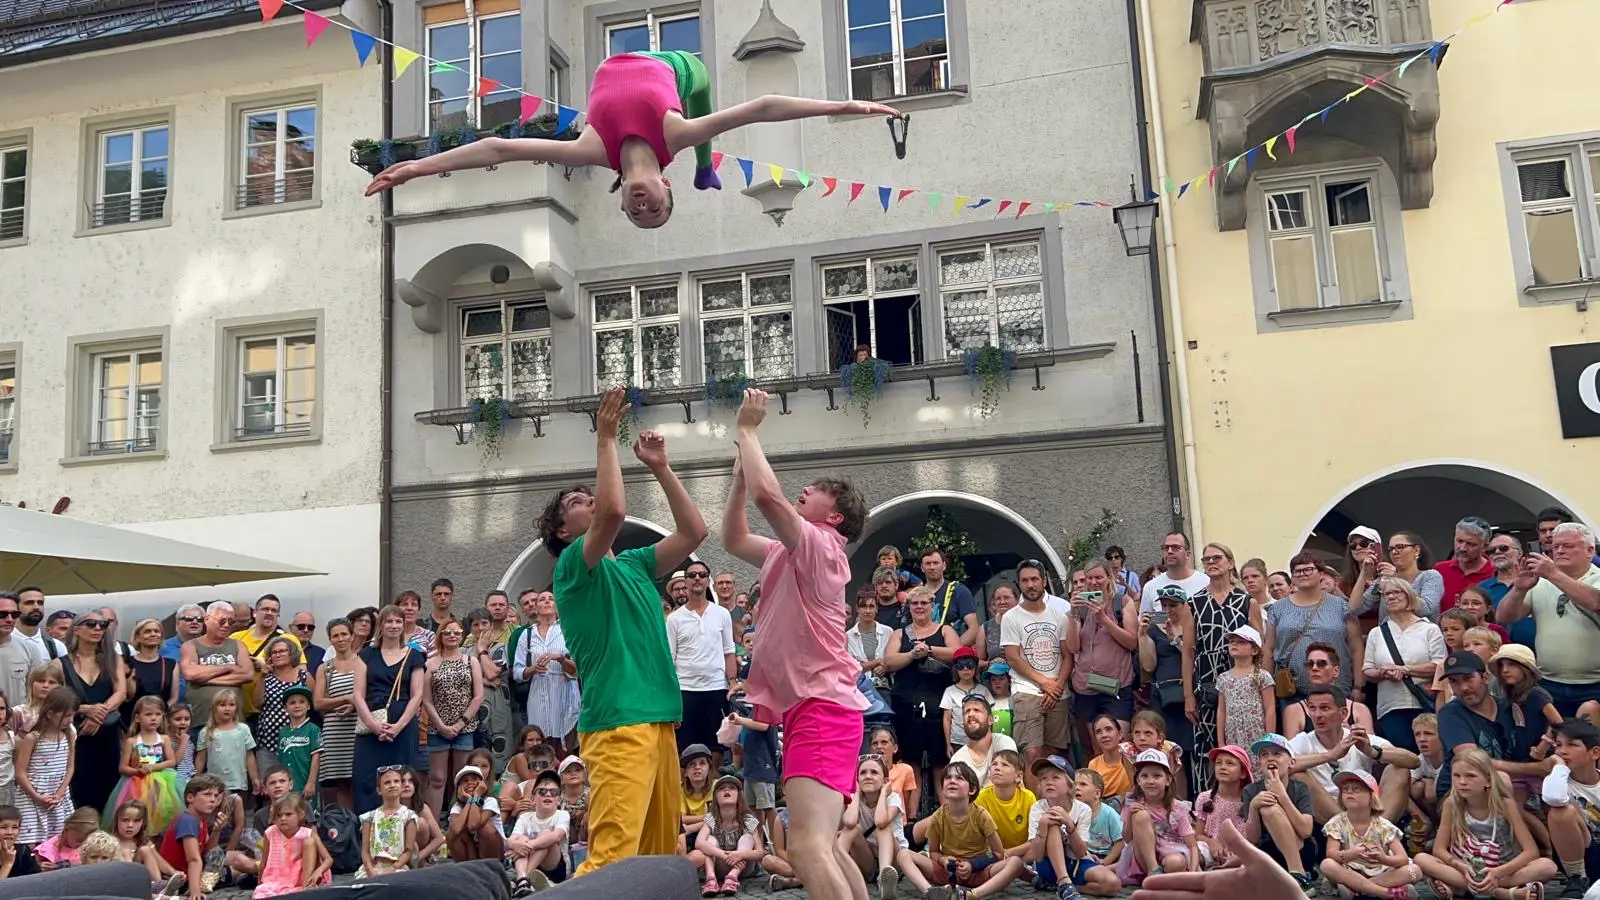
776	172
403	59
961	202
1271	142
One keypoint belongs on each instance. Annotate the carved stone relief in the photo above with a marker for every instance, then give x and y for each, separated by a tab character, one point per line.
1351	21
1240	34
1284	26
1230	35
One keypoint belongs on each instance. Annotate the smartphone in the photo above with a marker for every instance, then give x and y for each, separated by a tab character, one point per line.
1158	618
1092	596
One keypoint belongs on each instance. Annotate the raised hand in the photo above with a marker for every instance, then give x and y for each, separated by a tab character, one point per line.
867	108
610	415
754	408
395	175
651	449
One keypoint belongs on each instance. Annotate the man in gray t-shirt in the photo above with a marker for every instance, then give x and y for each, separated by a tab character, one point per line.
18	657
214	661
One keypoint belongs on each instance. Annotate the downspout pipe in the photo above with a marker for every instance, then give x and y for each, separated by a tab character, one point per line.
1158	140
1163	352
386	293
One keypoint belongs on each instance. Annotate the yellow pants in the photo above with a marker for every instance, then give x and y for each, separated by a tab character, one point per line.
635	793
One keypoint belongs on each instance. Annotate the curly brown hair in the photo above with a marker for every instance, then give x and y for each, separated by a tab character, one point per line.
847	502
553	519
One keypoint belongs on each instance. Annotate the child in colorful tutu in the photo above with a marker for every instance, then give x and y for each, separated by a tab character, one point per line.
148	770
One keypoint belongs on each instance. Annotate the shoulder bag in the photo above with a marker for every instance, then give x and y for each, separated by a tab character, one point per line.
1283	680
381	716
930	664
1423	699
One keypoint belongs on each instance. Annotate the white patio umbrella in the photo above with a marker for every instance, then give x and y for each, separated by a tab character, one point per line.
71	556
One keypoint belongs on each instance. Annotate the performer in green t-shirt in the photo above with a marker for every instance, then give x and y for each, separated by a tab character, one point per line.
611	618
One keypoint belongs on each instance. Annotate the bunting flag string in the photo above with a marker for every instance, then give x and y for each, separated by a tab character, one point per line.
530	106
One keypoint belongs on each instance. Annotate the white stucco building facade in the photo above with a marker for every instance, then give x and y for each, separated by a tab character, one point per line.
189	306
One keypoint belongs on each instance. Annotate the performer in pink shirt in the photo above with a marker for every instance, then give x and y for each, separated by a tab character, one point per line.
801	673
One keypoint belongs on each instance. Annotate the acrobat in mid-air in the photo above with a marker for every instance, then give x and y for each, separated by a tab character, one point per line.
644	108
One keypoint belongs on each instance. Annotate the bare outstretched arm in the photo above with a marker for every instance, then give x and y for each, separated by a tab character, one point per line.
736	536
587	150
689	527
771	108
610	507
758	475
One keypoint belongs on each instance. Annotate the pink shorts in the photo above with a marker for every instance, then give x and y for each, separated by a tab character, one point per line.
821	741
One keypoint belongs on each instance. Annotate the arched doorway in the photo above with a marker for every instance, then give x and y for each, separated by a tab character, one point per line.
1003	536
534	568
1429	497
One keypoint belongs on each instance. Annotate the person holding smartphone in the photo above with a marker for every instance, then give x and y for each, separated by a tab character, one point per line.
1104	629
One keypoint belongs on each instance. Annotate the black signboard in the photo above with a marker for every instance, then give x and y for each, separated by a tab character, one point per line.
1577	373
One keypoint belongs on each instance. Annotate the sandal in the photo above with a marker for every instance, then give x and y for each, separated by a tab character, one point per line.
1533	890
711	888
1442	889
730	885
1403	892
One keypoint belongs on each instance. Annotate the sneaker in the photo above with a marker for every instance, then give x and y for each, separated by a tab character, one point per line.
888	883
173	887
1307	881
538	880
1574	889
1068	891
521	888
777	883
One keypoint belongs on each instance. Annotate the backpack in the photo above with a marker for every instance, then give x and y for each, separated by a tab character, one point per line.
340	831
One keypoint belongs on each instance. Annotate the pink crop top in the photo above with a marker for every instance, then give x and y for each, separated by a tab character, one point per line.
630	97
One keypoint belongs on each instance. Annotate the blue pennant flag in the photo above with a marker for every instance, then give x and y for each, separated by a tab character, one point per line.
1184	189
1250	158
1325	110
364	44
883	197
979	203
749	168
565	116
1436	52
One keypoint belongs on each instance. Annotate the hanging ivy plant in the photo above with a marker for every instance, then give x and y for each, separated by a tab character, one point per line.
631	417
725	392
863	382
488	418
1081	550
989	370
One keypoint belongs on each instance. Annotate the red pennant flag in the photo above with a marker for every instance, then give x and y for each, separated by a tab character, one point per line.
1002	210
904	193
1371	82
1211	177
716	159
831	183
270	8
487	86
1289	136
1022	208
315	26
855	191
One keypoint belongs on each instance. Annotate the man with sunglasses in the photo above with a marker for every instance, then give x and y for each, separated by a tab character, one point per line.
1563	592
700	635
304	627
17	657
191	623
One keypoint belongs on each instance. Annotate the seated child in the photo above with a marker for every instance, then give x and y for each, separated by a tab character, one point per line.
1008	802
99	847
1148	731
1059	827
1158	825
245	862
575	803
999	685
1483	847
292	855
538	843
730	842
133	840
873	835
474	830
1365	852
781	875
388	833
964	850
16	860
696	762
1278	810
185	844
1105	832
1230	765
63	850
430	837
1572	793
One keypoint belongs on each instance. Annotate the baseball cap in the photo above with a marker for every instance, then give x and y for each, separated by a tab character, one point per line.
999	667
1463	663
469	770
964	653
1248	633
546	775
1370	534
1271	740
1058	763
694	752
1366	780
1152	757
568	763
297	690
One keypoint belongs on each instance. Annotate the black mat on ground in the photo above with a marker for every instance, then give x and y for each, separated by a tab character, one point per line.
124	880
639	878
483	879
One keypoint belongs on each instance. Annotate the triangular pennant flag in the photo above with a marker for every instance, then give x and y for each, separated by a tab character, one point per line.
776	171
1369	82
487	86
1022	208
1196	183
1310	116
364	44
1352	95
1150	196
1166	184
1272	142
1435	52
1231	163
530	108
934	200
983	202
315	26
904	193
961	202
1323	115
270	8
442	68
1081	203
716	159
1250	158
883	196
804	179
830	184
1480	17
565	116
1004	205
1183	189
1288	137
856	188
1407	64
1211	177
749	168
1049	207
403	59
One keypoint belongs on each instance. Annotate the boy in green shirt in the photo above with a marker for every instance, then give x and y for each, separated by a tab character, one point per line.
300	742
611	618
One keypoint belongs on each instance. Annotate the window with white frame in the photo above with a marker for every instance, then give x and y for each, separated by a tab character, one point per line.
873	302
657	33
278	148
637	342
475	47
556	80
125	414
13	191
131	177
1560	196
506	337
1324	243
747	325
8	409
993	294
277	385
897	48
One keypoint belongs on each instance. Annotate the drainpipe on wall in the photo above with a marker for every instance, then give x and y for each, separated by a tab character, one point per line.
386	292
1163	354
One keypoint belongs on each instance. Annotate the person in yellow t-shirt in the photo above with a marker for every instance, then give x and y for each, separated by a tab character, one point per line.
1007	801
263	629
964	849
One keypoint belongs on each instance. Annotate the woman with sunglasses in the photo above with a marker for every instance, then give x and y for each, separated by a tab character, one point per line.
1409	560
97	674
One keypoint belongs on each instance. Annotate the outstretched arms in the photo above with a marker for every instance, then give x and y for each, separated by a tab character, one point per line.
610	508
736	536
689	526
758	475
587	150
771	108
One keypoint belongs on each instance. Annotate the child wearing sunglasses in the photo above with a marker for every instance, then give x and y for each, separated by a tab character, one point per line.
538	843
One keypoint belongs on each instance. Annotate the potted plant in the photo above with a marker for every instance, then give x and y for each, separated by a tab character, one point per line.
375	156
630	418
540	126
443	139
725	391
863	382
488	418
989	370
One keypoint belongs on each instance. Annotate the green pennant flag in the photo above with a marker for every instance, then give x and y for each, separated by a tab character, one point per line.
1231	163
1166	184
804	178
441	68
934	199
1049	207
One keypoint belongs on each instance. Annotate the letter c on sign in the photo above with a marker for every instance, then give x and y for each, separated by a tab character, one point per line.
1589	387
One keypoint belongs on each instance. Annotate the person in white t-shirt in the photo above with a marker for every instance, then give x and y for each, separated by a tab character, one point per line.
700	636
1034	636
537	846
1176	568
1330	744
982	743
1572	793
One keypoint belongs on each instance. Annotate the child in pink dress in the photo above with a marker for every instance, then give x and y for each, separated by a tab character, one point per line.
1158	827
295	858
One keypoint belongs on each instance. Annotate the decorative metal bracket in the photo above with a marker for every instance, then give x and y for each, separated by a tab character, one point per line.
594	420
933	394
899	126
831	405
688	412
1037	384
783	400
461	433
538	425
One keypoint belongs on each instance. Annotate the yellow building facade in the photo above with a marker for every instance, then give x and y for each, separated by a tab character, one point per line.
1366	323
